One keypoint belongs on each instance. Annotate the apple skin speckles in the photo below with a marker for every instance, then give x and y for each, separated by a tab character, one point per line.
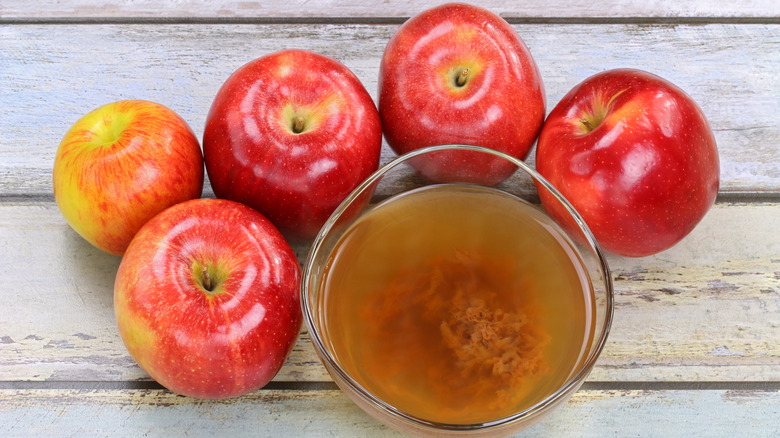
459	74
291	134
644	173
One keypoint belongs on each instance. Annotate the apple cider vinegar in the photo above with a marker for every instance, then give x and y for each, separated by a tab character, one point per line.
457	304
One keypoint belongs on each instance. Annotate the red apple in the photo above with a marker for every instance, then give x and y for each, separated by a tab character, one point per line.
460	74
120	165
635	156
206	299
291	134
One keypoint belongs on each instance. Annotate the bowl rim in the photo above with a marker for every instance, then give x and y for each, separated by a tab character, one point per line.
571	384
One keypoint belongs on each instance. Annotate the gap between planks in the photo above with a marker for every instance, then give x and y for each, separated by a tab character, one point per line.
772	386
724	197
650	21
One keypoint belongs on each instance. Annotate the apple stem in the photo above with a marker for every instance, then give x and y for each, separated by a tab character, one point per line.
460	80
297	126
589	126
207	280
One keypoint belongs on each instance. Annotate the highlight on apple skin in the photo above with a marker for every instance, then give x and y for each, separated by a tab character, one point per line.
207	300
460	74
121	164
635	155
291	134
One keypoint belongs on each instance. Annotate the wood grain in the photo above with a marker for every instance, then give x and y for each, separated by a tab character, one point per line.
706	310
52	75
45	413
403	8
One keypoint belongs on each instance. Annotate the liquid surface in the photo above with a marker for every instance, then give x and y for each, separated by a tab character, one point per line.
457	304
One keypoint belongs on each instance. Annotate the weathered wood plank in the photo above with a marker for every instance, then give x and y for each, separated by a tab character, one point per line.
404	8
706	310
57	320
52	75
43	413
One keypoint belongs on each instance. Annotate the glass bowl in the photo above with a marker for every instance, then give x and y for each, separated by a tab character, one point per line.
402	179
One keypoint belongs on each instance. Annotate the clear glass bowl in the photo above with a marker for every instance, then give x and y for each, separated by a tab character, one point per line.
402	175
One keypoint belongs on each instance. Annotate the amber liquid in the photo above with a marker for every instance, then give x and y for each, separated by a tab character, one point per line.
457	304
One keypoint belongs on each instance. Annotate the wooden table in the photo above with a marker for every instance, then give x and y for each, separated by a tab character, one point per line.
695	344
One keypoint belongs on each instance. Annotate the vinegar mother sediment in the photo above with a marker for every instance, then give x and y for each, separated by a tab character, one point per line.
457	304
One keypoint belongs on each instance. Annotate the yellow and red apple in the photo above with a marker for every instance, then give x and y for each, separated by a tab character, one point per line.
206	299
120	165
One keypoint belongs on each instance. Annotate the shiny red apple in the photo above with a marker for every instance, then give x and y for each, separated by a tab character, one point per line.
206	299
460	74
291	134
636	157
121	164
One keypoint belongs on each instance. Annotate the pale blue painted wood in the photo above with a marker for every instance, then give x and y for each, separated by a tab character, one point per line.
704	311
52	75
590	413
399	8
708	309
